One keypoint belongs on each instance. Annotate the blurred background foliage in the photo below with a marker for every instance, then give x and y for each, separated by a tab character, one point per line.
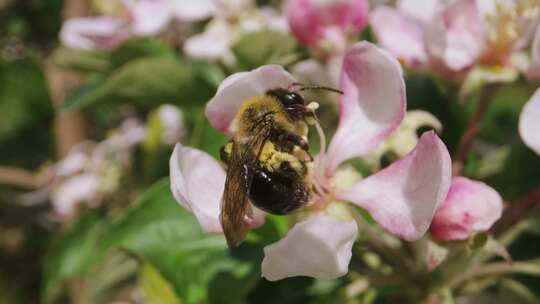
153	243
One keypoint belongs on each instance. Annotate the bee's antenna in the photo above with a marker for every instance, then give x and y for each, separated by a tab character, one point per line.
304	87
297	84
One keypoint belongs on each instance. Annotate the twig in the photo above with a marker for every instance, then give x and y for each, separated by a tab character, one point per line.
496	269
69	127
518	211
382	246
486	96
22	178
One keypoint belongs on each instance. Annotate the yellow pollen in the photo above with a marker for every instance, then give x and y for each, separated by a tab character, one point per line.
507	25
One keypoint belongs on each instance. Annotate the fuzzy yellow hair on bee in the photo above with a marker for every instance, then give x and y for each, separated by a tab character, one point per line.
267	159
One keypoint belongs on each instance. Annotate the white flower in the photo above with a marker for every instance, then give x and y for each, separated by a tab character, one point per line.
402	197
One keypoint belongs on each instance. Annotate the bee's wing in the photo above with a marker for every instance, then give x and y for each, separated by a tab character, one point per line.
235	204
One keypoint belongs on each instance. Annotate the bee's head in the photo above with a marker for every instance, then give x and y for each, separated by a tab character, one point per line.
293	103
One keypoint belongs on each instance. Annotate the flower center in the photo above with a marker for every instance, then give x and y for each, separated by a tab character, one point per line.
506	26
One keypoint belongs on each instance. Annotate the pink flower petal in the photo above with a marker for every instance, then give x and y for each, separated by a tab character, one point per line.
319	247
470	207
529	122
235	89
93	33
373	103
404	196
455	36
311	20
197	183
534	68
401	36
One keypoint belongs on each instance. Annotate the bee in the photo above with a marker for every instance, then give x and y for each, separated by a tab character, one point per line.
268	160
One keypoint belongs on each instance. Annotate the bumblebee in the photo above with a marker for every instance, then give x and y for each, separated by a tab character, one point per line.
268	160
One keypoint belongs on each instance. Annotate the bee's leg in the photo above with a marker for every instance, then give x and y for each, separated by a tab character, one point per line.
293	169
289	139
225	152
295	144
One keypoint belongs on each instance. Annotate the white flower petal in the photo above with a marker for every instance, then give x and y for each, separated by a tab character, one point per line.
76	160
172	123
455	37
91	33
529	122
190	11
319	247
373	103
149	17
82	188
311	71
212	44
398	34
235	89
404	196
131	133
197	183
533	71
420	10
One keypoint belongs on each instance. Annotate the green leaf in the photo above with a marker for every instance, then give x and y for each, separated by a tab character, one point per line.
139	48
80	60
520	290
148	81
91	84
258	48
71	256
155	288
274	228
198	265
24	101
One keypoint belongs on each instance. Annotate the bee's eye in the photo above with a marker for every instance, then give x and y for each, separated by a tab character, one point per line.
287	98
292	98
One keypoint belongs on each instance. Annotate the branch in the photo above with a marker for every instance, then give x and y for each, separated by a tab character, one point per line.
529	267
22	178
69	127
518	211
486	96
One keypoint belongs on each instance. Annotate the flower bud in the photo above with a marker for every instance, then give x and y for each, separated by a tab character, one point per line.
470	207
326	26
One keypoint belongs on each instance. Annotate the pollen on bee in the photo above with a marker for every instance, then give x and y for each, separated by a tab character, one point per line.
313	106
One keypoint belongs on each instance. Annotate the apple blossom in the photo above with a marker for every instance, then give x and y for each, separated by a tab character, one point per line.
405	138
134	17
171	124
453	36
234	19
91	171
90	33
326	26
81	188
402	198
401	30
471	206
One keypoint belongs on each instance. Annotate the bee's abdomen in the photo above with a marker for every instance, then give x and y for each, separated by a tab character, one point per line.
276	193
